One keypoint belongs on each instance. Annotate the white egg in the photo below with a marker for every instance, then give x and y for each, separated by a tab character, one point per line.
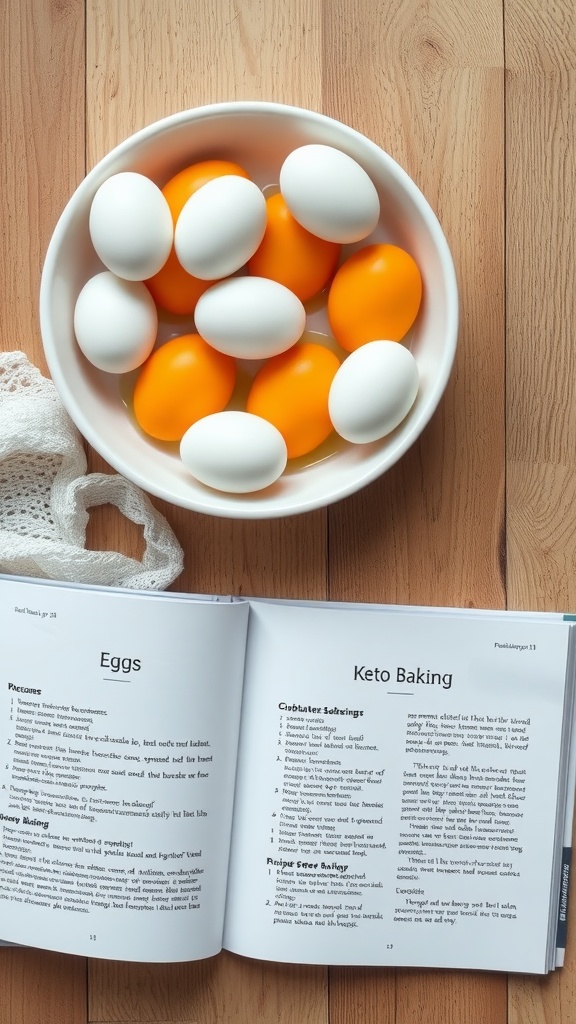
250	317
220	227
234	451
329	193
373	390
115	322
131	226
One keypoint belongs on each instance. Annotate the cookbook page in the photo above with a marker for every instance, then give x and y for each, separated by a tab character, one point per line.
118	733
397	788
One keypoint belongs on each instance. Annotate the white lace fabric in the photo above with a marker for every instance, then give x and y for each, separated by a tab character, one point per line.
45	495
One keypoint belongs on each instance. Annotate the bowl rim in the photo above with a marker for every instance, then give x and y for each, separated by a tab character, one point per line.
236	509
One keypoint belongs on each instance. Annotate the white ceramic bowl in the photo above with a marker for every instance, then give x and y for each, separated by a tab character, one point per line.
258	136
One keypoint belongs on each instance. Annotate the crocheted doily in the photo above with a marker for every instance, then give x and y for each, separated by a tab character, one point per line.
45	495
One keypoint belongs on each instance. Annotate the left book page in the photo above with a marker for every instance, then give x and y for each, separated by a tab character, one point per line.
119	721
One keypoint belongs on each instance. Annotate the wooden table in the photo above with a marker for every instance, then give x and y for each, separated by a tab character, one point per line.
476	101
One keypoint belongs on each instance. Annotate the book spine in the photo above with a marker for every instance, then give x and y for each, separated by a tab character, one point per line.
563	903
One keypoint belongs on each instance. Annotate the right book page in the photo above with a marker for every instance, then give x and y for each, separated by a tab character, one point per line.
401	789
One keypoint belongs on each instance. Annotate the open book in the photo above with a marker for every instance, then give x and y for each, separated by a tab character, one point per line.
302	782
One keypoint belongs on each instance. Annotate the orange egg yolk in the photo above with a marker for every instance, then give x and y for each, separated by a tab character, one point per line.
375	296
174	289
291	255
179	383
177	190
291	391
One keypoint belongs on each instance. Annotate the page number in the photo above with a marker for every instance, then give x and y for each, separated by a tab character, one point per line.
92	938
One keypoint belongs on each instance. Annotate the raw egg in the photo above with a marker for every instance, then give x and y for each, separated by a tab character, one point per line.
182	381
174	289
250	317
220	227
177	190
291	255
291	392
329	193
130	226
373	391
234	451
115	322
375	294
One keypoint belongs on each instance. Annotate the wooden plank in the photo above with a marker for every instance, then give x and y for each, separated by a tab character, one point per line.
42	130
425	997
147	59
37	987
42	161
541	303
226	989
541	299
431	527
430	530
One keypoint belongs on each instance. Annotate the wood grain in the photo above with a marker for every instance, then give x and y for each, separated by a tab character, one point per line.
226	988
437	107
541	318
42	132
149	58
42	988
477	102
431	529
541	302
